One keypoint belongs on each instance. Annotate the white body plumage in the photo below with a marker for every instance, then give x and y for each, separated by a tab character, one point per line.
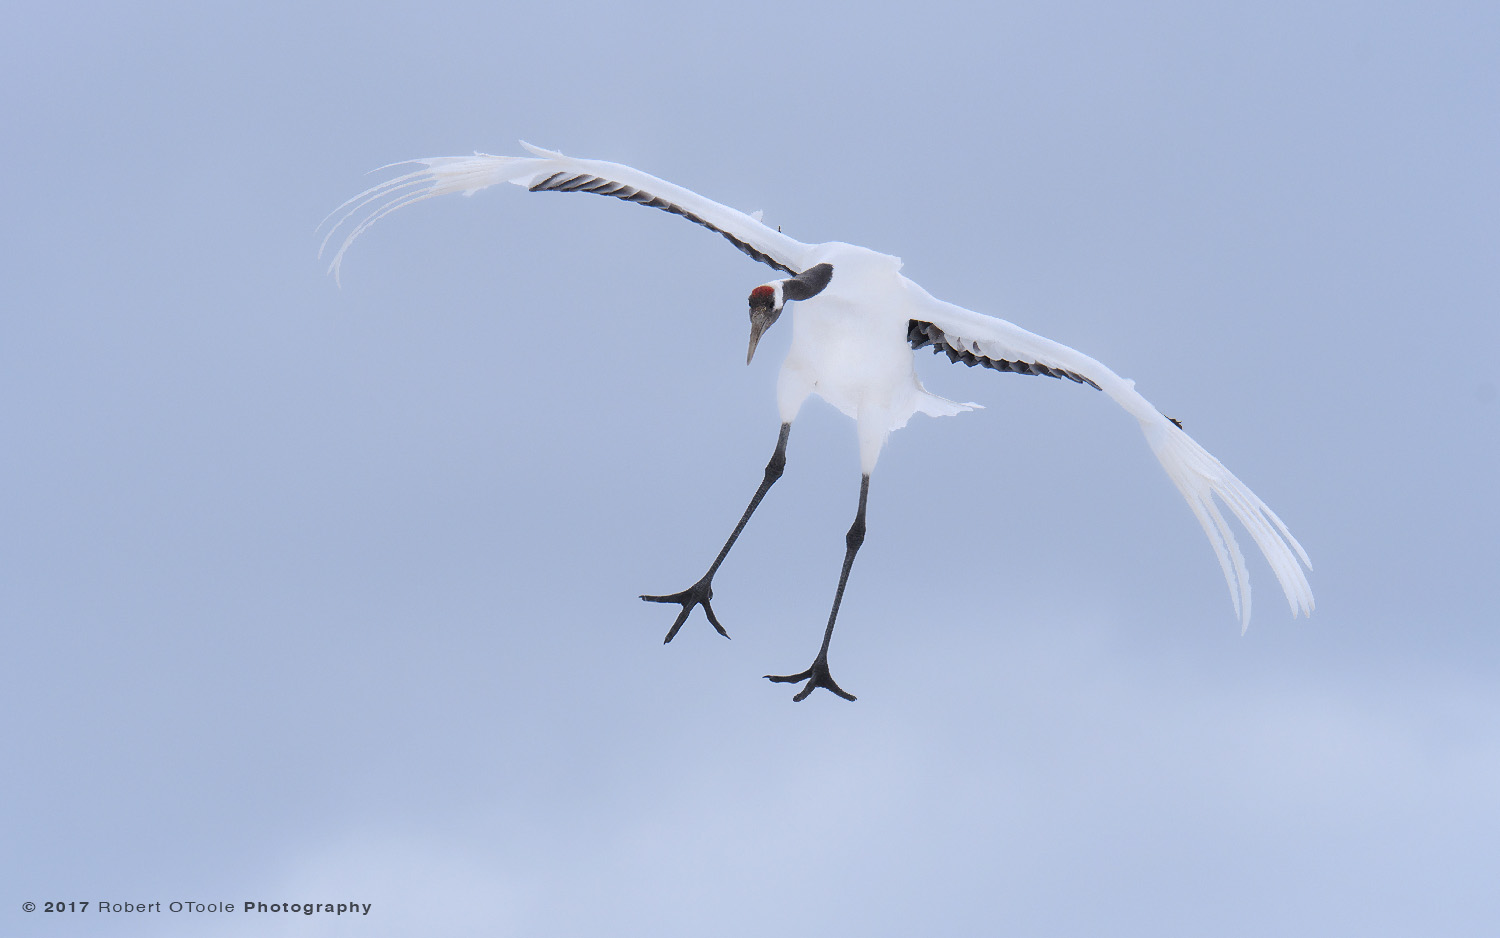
849	347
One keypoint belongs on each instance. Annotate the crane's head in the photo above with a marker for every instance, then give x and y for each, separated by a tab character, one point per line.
767	299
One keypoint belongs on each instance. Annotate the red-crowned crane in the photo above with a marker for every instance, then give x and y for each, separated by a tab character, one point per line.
856	324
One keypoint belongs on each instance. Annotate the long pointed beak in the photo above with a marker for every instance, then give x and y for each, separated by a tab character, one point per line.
759	323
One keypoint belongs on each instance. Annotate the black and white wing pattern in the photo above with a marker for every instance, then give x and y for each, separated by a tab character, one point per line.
958	349
976	339
547	171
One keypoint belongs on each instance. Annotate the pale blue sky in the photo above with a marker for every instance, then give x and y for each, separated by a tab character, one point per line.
324	595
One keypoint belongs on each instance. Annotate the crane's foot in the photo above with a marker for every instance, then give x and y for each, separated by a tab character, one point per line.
696	595
816	676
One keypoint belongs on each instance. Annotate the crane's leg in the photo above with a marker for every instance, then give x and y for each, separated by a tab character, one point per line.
818	675
701	592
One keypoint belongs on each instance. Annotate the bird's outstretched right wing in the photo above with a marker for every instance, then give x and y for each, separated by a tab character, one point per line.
984	340
547	171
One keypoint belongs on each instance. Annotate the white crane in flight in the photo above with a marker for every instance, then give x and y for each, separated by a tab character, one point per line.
856	325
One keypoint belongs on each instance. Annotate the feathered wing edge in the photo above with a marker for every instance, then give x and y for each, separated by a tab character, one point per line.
1199	477
442	176
1196	473
469	174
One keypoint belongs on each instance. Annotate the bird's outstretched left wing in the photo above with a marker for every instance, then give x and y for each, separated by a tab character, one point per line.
546	171
977	339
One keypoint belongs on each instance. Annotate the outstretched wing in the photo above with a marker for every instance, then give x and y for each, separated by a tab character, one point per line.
977	339
546	171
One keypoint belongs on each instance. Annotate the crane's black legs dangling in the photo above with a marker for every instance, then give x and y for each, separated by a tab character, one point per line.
701	592
818	675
